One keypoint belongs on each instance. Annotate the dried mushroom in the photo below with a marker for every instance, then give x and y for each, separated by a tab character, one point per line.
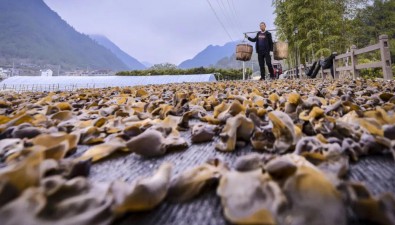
101	151
251	162
263	140
389	131
91	135
10	146
380	210
283	130
150	143
234	109
53	140
238	127
203	133
24	173
191	182
256	201
324	123
307	187
25	130
59	201
146	194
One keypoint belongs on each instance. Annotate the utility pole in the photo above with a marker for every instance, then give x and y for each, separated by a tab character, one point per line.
252	69
12	71
297	54
244	71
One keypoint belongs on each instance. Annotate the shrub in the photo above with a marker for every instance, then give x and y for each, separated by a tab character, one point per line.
371	73
220	74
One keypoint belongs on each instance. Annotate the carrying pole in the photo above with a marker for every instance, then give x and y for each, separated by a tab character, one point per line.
244	71
250	32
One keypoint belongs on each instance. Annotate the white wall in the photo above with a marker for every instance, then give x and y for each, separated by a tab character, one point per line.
46	73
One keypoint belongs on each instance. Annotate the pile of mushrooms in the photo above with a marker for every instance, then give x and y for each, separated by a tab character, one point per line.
303	135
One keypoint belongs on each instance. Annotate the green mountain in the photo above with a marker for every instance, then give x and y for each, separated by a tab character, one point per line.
209	56
31	32
221	57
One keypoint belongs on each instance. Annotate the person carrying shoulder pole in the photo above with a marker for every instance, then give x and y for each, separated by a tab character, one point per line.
263	46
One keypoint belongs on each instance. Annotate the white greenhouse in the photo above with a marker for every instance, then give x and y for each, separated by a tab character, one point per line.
64	83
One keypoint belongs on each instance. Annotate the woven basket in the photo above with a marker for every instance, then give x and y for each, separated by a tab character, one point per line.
280	50
243	52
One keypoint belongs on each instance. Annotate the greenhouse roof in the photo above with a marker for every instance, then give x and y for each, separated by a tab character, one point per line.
38	83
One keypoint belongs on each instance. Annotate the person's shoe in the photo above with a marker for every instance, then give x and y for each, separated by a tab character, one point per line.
262	78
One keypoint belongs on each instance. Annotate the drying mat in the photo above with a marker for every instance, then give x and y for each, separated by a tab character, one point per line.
376	172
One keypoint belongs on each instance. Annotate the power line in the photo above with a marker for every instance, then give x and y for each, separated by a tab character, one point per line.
233	9
227	15
216	15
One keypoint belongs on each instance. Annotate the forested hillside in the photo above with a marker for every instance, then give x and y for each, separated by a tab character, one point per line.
31	32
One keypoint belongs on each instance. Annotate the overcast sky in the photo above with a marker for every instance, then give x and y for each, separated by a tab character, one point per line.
160	31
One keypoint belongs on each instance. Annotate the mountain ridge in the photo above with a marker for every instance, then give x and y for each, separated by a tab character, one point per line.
131	62
33	32
210	55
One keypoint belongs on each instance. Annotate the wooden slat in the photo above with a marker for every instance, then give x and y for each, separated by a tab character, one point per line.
367	49
344	68
342	56
369	65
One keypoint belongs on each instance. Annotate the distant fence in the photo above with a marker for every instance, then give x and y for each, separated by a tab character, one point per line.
227	77
354	67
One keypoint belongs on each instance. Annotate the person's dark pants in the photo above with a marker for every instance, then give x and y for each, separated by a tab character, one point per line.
262	57
311	70
330	66
316	70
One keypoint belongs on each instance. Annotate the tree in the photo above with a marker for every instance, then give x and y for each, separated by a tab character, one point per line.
373	21
315	28
163	66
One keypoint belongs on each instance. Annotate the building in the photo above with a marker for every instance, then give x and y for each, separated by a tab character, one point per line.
102	73
75	73
3	74
46	73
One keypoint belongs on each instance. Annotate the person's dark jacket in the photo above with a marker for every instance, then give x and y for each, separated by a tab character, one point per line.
328	62
269	42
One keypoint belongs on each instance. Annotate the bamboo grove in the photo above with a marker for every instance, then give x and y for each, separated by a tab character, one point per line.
316	28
